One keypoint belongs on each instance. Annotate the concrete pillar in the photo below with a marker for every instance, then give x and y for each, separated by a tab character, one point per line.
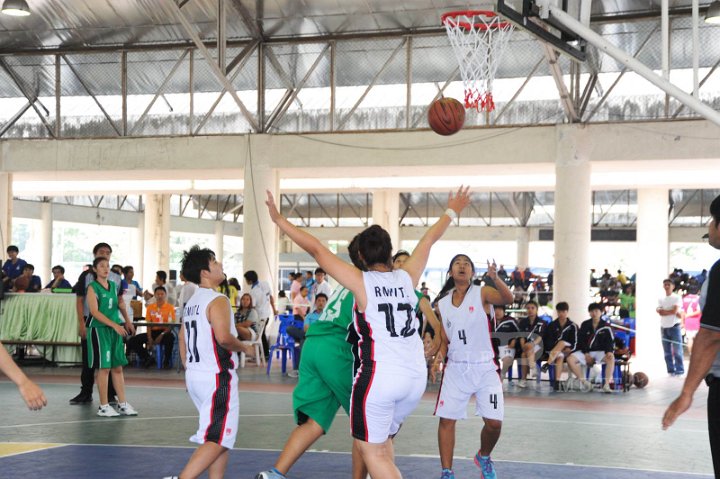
522	237
260	235
219	239
386	213
652	268
139	265
44	264
573	218
6	211
156	237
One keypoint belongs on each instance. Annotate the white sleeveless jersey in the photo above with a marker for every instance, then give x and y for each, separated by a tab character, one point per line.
468	329
389	327
202	352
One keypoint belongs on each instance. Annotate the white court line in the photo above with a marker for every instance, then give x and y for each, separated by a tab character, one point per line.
418	416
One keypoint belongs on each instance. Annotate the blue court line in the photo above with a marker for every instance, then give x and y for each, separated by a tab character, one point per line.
147	462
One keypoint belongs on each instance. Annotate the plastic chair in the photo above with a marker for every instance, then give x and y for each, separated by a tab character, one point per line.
284	346
257	344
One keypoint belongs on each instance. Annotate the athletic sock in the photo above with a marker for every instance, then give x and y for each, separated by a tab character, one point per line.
278	472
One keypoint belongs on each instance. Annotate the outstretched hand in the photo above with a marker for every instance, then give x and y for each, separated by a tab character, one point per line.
459	200
272	208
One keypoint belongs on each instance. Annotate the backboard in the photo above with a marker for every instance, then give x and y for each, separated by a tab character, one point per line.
532	15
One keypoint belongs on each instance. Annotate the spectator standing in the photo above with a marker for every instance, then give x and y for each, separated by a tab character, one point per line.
231	292
186	291
295	285
13	266
706	350
669	308
263	299
627	299
160	280
58	281
621	278
309	280
320	286
692	314
133	289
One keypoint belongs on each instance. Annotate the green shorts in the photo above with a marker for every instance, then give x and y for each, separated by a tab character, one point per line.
325	380
105	348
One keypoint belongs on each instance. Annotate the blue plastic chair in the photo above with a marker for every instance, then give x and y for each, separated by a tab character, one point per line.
284	346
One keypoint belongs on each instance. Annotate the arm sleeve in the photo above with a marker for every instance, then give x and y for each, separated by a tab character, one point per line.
711	311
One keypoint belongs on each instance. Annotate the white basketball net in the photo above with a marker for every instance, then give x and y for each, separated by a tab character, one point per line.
478	39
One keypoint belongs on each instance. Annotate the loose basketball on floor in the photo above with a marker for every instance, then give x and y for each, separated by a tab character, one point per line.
446	116
641	380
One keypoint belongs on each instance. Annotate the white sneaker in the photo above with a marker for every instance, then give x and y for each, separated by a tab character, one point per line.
107	411
606	388
126	409
293	373
585	386
522	383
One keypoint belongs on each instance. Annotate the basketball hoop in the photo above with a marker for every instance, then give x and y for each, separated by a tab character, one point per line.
478	38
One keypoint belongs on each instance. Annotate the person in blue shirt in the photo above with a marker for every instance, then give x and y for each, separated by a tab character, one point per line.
34	281
13	266
320	302
58	281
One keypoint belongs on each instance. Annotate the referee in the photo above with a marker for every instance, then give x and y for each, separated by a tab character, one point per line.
705	359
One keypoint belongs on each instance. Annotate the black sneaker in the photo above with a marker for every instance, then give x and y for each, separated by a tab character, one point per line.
81	398
544	368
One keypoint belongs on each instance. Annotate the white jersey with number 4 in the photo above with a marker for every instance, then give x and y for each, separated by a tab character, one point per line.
467	328
389	327
203	353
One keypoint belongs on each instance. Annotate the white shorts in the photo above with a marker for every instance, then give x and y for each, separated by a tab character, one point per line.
460	381
216	399
381	400
506	352
598	356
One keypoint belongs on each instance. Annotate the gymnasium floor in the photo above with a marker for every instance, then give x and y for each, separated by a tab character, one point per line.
545	434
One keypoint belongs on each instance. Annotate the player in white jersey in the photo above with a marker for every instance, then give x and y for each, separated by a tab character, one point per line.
392	374
471	368
208	351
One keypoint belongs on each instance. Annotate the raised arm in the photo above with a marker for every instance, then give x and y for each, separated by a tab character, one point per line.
415	265
500	293
345	274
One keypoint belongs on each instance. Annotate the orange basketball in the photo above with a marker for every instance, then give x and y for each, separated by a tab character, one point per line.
446	116
22	283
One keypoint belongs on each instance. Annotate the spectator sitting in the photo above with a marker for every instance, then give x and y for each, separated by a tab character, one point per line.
506	329
627	299
58	281
158	312
299	334
622	279
596	343
13	267
284	305
320	286
533	330
560	341
246	319
301	303
28	282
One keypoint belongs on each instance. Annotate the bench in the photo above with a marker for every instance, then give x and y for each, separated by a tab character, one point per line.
44	344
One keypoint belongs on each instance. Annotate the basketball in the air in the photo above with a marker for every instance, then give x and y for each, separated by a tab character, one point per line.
641	380
446	116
